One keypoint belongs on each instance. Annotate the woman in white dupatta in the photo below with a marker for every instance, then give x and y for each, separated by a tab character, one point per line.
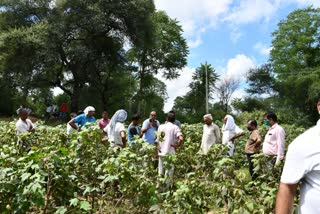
230	132
115	129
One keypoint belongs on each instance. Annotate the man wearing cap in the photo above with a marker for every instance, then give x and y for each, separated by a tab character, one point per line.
210	135
83	118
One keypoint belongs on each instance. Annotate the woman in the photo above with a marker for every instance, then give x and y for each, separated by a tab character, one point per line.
230	132
116	131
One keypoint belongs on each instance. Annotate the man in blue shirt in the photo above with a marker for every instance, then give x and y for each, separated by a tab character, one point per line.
133	128
83	118
149	127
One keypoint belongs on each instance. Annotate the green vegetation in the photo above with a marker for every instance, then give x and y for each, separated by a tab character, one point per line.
78	174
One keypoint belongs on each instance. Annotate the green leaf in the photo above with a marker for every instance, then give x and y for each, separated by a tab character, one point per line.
74	202
85	205
25	176
61	210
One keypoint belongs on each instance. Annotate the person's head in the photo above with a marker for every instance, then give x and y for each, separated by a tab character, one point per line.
207	119
73	115
171	117
270	118
23	113
105	115
89	111
153	115
228	117
318	106
252	124
135	119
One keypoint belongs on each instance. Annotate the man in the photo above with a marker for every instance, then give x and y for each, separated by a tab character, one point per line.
274	141
302	164
149	127
104	121
24	124
210	135
78	122
63	112
230	132
169	139
48	112
176	122
253	145
116	131
133	128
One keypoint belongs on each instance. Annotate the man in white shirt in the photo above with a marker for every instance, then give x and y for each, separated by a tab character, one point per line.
169	138
210	135
302	164
24	124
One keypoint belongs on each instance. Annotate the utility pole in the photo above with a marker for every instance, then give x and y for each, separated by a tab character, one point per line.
207	108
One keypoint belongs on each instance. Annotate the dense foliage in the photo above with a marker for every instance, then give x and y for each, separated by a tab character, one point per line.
78	174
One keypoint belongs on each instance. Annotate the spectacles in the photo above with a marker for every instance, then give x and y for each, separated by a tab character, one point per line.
153	115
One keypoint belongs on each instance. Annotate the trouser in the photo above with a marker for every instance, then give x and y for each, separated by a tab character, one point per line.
251	167
168	172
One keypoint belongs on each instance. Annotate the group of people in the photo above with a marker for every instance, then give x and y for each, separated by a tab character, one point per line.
273	144
53	110
302	160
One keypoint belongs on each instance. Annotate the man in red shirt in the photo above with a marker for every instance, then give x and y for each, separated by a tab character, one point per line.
63	112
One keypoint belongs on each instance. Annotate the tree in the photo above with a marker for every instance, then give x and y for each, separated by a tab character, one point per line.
295	59
70	39
194	102
225	90
261	80
165	51
296	43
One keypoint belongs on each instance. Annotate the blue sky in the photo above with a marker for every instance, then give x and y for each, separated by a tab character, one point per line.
232	36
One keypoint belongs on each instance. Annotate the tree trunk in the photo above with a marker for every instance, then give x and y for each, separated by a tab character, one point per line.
140	93
75	97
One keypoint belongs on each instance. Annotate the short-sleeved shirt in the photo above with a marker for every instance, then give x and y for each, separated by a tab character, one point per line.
274	142
168	134
303	163
132	131
252	146
24	126
115	140
82	119
149	135
103	123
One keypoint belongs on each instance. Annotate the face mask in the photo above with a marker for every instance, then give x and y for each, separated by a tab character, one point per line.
249	128
266	122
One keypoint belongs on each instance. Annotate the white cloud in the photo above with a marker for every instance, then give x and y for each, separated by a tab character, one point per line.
262	48
315	3
253	11
238	66
177	87
195	16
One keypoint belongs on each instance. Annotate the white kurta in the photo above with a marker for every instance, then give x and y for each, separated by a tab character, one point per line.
210	136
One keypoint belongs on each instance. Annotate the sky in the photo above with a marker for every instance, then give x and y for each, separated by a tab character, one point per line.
233	36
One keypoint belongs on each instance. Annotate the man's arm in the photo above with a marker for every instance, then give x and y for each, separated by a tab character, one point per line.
145	126
217	133
285	198
281	145
73	125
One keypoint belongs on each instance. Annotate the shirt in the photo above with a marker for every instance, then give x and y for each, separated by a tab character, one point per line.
252	146
103	123
82	119
302	163
149	135
168	134
274	142
132	131
115	140
24	126
228	134
210	136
